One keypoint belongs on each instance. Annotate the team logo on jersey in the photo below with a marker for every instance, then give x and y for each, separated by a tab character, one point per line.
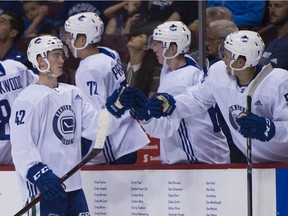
64	124
234	112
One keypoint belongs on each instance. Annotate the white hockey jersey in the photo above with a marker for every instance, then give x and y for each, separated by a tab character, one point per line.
196	139
47	126
14	77
98	76
270	100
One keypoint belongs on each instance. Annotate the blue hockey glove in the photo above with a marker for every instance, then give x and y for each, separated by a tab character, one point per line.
113	104
256	127
161	104
46	181
128	97
138	103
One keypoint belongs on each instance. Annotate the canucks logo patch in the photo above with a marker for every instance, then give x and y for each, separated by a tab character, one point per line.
234	112
244	38
64	124
173	27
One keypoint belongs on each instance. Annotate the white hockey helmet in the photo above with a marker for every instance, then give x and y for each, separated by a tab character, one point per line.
87	23
41	46
245	43
172	32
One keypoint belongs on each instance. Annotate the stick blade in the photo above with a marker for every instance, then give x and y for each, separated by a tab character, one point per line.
102	128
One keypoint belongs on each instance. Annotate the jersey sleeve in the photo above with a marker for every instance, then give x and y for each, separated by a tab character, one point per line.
194	100
31	77
90	121
280	112
24	126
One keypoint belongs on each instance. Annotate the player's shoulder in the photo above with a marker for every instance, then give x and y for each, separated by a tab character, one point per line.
218	65
280	72
218	70
30	93
10	63
192	63
108	52
68	87
277	77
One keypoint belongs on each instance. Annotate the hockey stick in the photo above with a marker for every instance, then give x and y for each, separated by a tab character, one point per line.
103	124
250	94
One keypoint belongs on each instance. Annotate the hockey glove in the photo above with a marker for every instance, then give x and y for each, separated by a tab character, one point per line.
46	181
128	97
161	104
138	103
113	104
256	127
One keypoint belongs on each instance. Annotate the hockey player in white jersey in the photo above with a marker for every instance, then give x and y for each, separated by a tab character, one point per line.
14	77
98	74
196	139
47	122
227	84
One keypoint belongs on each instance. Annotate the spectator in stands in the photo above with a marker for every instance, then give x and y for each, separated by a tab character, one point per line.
275	51
216	32
212	14
69	8
12	6
35	16
195	139
156	11
49	29
245	14
143	69
11	30
99	73
120	15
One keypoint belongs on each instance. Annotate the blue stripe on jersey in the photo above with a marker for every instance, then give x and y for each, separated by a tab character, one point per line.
107	151
192	62
2	70
186	144
106	52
